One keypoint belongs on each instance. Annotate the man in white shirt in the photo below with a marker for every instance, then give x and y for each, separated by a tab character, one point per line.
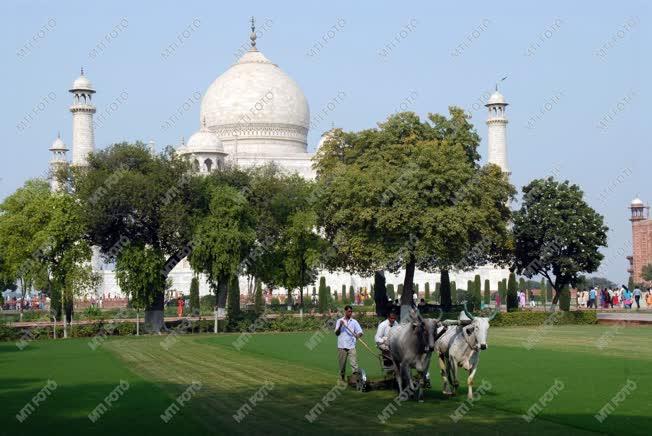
385	328
348	331
384	332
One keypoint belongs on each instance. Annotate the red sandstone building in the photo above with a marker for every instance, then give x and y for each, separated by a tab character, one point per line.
641	240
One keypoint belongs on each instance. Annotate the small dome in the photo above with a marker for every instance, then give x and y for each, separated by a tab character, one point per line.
82	83
203	141
58	145
637	202
496	98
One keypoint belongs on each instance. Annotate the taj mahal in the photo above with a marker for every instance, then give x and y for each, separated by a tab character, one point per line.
253	114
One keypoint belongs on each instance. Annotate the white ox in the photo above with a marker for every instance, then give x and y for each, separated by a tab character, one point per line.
460	346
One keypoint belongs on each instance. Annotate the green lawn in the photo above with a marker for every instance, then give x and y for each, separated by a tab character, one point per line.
290	379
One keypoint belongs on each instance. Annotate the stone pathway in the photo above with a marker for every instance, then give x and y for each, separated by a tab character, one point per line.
633	317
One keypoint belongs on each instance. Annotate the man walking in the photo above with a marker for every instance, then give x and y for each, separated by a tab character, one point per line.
348	331
592	295
637	297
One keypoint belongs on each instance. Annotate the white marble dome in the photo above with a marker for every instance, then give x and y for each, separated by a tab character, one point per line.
82	83
637	202
58	145
257	109
204	141
496	98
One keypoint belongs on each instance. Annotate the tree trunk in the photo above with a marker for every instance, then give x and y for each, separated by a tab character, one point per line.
154	313
380	294
407	297
408	284
22	299
301	285
445	291
233	308
70	308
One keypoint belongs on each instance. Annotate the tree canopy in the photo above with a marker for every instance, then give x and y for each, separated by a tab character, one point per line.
42	243
410	193
557	234
138	207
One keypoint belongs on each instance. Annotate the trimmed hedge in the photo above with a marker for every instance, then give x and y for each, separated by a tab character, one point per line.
248	322
529	318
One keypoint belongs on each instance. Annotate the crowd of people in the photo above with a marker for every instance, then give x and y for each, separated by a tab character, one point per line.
607	298
33	302
40	301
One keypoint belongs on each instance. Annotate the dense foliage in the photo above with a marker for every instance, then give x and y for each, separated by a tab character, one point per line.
410	194
557	234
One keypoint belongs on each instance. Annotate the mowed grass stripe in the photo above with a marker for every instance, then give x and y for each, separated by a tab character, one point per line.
278	419
286	410
84	379
230	377
302	378
520	376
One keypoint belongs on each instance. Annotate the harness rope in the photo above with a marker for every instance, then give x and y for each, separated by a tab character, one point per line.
359	339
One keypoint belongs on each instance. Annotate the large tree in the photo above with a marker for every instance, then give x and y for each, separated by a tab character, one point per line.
142	201
557	234
42	244
67	255
223	239
410	194
301	248
286	240
23	215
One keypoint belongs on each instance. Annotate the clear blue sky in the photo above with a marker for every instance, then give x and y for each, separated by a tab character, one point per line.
569	64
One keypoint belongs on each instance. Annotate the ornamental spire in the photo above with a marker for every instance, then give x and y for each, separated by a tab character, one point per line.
252	37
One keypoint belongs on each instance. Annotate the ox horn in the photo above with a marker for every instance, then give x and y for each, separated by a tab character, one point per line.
441	313
417	313
467	313
493	315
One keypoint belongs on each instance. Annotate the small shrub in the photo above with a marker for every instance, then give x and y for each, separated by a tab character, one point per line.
512	296
530	318
194	294
207	302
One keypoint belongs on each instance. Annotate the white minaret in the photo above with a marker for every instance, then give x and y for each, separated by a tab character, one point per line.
59	160
497	124
83	137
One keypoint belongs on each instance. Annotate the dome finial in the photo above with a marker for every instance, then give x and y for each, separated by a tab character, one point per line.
252	37
203	122
501	81
82	71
